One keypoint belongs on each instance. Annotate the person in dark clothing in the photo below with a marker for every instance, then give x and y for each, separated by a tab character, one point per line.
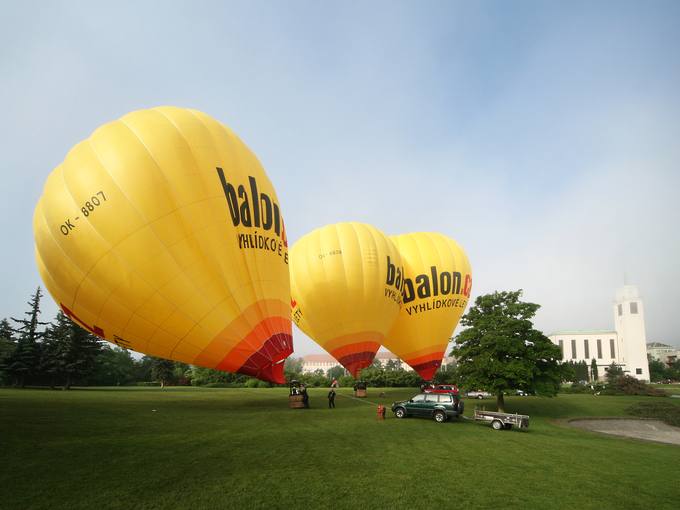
305	397
331	399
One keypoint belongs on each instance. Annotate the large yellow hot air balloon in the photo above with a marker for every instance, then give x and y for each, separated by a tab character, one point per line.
162	233
436	289
345	283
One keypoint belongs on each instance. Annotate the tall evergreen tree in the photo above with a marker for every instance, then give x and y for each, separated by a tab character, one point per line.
24	362
501	350
7	347
594	376
74	350
614	372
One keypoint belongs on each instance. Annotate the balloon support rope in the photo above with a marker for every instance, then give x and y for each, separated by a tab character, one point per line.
370	403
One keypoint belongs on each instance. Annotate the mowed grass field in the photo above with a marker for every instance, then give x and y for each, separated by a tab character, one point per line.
192	448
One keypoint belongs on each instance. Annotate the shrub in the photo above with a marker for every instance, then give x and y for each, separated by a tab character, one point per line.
664	411
627	385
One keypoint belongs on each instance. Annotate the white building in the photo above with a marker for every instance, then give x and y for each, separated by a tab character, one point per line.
324	362
665	353
625	345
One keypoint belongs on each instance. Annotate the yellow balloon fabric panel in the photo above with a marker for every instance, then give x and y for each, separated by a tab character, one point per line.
436	290
345	283
163	234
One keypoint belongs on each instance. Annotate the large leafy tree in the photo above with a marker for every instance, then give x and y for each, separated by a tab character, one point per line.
24	361
162	370
113	367
657	369
500	349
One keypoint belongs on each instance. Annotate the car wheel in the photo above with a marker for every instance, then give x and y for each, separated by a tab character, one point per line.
480	397
439	416
400	412
496	425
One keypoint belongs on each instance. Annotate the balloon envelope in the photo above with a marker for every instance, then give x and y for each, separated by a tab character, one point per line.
163	234
437	285
345	282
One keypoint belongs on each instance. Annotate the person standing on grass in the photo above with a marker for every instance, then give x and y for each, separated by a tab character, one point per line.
331	399
305	397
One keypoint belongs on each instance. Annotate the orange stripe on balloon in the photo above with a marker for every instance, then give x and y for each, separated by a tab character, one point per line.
237	335
251	343
348	350
433	356
344	341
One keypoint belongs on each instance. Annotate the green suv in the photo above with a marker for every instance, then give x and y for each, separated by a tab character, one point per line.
440	406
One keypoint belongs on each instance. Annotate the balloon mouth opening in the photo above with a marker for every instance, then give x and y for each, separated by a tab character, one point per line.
267	363
428	369
273	373
355	363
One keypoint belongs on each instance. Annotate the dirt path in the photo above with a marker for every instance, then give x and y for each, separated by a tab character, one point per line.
650	430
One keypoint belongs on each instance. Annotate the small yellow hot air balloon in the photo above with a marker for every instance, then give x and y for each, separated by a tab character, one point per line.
436	290
162	233
345	284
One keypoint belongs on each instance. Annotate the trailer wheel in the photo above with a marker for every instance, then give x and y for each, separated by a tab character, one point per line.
496	425
461	408
439	416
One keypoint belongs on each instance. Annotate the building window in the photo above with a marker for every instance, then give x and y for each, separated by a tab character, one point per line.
562	348
620	310
573	349
633	307
612	348
638	371
586	349
599	348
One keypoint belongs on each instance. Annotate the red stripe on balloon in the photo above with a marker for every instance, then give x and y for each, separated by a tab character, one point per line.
356	362
267	362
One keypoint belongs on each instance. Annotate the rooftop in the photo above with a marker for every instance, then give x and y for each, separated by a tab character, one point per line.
325	358
659	344
584	332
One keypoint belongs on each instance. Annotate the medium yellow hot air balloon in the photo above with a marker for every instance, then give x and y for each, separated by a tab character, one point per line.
345	284
436	290
162	233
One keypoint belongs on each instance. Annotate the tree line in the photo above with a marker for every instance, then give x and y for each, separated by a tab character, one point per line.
62	354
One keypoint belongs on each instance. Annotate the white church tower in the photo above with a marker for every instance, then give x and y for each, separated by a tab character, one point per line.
629	322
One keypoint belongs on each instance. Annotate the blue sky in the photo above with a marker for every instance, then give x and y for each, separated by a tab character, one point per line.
543	136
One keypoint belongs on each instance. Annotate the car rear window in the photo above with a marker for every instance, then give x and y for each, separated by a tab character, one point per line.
445	398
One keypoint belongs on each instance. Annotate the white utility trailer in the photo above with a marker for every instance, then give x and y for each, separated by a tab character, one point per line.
502	420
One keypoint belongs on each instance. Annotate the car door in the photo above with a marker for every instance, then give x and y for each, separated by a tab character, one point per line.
446	401
415	406
431	400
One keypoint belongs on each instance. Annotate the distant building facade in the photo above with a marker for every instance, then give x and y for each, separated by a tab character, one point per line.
661	352
625	345
324	362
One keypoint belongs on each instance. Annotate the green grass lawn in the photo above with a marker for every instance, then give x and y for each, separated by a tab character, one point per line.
194	448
